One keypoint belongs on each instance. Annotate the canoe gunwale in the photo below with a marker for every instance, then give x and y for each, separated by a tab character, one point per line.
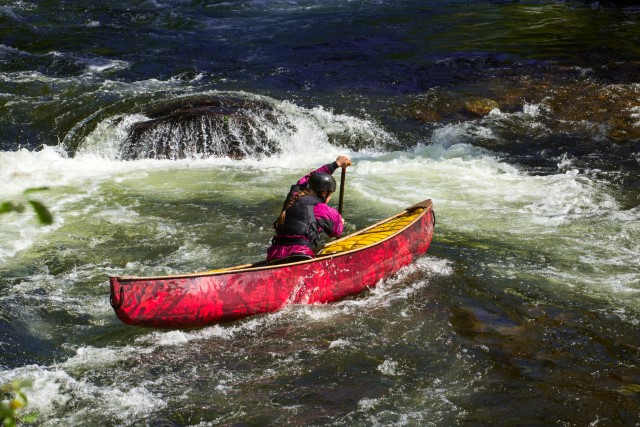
426	205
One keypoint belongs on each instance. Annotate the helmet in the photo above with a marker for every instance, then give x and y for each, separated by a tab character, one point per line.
320	181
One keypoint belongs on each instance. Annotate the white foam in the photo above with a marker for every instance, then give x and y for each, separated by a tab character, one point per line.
298	130
29	169
26	77
635	114
9	49
314	312
226	332
473	179
390	367
340	343
9	11
99	65
90	357
55	390
367	404
172	338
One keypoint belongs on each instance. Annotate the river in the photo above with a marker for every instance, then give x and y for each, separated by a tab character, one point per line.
519	119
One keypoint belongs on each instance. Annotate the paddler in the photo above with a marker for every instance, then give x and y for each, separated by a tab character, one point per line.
305	214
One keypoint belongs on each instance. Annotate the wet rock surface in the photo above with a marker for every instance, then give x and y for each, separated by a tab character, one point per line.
572	118
221	127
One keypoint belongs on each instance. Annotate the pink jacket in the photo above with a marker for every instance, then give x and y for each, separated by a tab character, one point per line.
328	218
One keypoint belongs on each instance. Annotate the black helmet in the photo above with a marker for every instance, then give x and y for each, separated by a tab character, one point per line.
320	181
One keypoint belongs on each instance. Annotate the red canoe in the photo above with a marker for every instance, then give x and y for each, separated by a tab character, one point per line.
343	267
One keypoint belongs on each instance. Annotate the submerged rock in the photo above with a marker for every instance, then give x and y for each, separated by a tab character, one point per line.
480	106
446	106
426	115
573	106
613	108
190	128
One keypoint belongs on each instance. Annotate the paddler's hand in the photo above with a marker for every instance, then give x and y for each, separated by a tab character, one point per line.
343	161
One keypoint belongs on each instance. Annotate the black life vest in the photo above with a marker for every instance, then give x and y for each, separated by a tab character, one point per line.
300	226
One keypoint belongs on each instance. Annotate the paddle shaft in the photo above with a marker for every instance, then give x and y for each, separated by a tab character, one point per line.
342	178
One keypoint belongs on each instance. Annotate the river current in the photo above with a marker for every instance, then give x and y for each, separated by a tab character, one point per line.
520	120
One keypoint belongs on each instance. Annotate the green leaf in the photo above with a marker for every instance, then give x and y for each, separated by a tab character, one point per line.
5	411
7	207
30	418
10	422
34	190
43	213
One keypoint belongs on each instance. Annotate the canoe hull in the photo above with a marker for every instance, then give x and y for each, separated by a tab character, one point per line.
198	300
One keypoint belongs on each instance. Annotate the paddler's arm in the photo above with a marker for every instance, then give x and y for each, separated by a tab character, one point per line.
329	168
329	219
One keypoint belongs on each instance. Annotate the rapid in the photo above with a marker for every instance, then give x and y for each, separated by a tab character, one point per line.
518	119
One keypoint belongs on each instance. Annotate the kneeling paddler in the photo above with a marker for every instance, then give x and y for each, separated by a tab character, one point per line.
305	214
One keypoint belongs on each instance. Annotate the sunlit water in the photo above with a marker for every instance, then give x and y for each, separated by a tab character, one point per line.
523	312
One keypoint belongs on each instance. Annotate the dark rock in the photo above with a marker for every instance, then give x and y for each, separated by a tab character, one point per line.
191	128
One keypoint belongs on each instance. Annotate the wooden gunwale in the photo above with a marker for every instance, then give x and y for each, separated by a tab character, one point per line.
426	205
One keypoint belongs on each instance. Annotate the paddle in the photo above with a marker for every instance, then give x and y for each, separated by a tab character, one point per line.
342	178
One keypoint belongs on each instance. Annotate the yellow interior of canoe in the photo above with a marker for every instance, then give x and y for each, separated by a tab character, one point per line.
372	235
366	237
